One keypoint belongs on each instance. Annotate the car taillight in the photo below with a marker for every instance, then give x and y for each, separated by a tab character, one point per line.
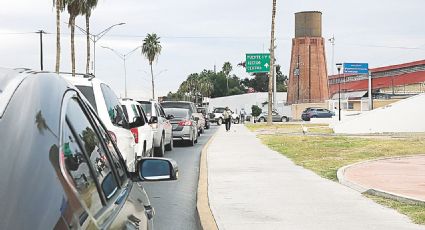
135	133
185	123
113	136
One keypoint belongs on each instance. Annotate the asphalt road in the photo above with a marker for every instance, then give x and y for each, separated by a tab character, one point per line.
175	202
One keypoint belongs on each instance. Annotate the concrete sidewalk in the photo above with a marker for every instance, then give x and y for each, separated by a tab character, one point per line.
253	187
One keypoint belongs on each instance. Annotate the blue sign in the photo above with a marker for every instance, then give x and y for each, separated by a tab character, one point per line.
356	68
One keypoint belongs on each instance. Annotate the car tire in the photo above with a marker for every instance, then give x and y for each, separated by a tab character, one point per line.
220	121
192	141
161	149
170	146
284	119
196	140
262	119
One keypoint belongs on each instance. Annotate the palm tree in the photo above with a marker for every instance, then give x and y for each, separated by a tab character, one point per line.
88	6
60	6
227	68
75	8
151	48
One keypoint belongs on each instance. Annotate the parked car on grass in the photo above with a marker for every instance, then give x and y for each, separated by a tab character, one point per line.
161	126
140	127
199	118
106	104
68	174
276	117
184	125
309	113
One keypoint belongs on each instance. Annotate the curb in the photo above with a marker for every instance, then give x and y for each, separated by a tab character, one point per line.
202	204
371	191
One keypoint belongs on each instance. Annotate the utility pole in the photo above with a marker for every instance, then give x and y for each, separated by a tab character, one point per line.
271	74
41	32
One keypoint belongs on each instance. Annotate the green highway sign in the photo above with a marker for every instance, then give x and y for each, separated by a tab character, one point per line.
257	63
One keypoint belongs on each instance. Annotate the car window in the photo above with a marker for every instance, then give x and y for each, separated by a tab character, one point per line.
88	93
219	110
85	159
178	105
161	111
136	113
142	113
158	113
113	106
147	107
113	150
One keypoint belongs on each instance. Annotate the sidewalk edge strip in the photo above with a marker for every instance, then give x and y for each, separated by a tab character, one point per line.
203	208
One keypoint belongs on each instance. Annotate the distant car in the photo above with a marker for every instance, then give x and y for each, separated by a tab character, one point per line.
53	139
200	120
184	125
204	112
139	127
217	116
161	126
104	101
312	112
276	117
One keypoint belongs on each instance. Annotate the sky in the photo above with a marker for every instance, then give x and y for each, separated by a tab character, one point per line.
200	34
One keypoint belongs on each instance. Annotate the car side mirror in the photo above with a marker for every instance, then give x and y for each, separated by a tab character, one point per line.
153	120
169	117
157	169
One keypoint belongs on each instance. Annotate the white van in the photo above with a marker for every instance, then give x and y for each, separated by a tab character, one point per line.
106	104
140	127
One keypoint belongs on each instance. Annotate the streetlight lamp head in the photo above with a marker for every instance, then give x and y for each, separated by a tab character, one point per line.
122	23
339	66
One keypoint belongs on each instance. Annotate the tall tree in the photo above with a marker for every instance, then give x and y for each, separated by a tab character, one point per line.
88	7
75	8
60	6
151	48
227	68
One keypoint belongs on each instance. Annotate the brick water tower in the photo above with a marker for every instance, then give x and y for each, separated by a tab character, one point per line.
308	80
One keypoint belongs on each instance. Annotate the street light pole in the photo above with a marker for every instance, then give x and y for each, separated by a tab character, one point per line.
339	66
96	37
124	58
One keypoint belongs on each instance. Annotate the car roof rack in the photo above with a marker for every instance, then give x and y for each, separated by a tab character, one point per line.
89	76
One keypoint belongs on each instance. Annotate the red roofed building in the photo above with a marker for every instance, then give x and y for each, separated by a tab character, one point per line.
395	80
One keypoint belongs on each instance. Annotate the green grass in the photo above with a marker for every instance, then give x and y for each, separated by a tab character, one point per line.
415	212
290	128
326	154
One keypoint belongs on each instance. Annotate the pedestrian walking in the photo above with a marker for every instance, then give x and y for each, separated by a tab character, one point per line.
242	115
227	115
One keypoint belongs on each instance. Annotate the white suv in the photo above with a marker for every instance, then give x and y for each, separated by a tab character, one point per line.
162	128
106	104
140	128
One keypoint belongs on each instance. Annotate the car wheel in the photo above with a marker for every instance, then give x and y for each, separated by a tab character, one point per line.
161	149
192	141
284	119
220	121
262	119
196	140
170	146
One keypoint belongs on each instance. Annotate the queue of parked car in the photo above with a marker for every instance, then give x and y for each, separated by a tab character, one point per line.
71	146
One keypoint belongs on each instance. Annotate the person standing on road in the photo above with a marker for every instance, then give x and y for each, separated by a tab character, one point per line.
227	115
242	115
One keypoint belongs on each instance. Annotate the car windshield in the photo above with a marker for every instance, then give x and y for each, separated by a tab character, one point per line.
176	105
147	107
178	113
218	110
